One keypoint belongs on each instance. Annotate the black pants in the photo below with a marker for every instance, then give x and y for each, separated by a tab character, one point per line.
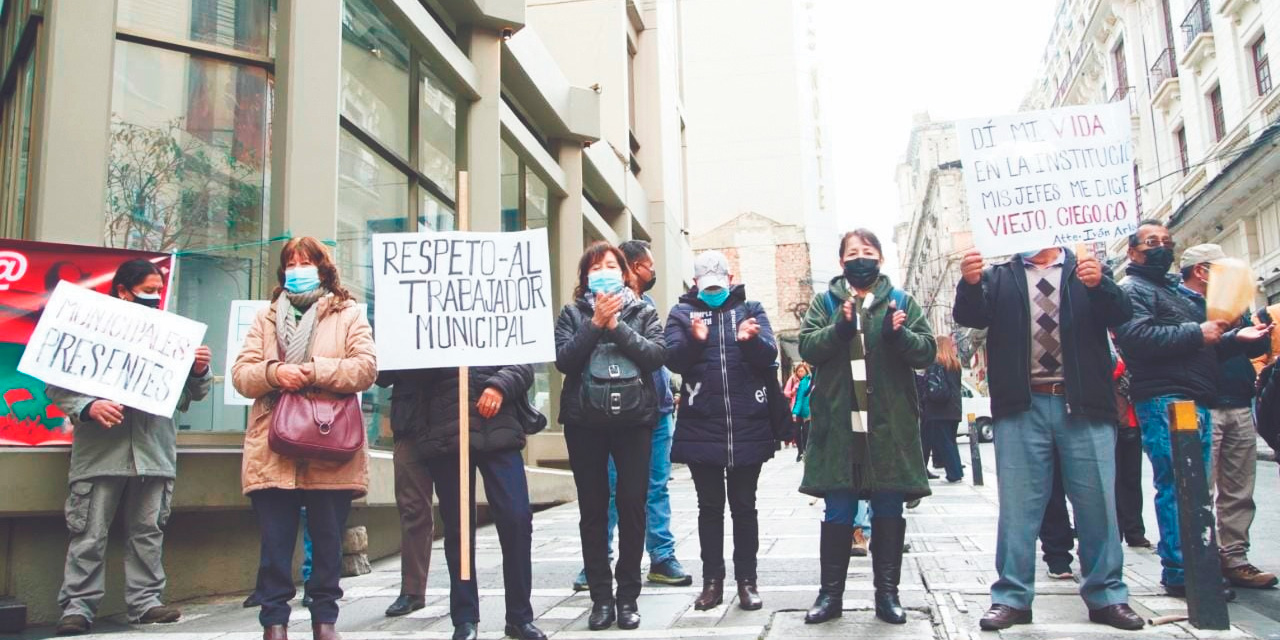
713	484
1129	482
941	436
802	437
1057	538
589	451
278	511
507	489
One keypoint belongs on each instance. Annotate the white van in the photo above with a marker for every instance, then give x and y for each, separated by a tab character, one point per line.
980	406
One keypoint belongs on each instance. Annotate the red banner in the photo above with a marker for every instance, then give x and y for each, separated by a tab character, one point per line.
28	273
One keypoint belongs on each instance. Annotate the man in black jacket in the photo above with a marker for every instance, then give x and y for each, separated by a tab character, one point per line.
1051	393
1172	352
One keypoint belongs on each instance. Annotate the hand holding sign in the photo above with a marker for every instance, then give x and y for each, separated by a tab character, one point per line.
203	357
106	413
971	267
1089	270
490	403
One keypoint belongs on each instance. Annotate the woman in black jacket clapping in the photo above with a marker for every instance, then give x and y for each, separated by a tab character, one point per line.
608	343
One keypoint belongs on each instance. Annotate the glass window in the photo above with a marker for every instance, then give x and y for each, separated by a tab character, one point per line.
375	76
244	25
433	214
437	125
510	166
536	201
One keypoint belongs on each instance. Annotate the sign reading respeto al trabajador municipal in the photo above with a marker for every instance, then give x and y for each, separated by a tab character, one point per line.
1050	178
462	299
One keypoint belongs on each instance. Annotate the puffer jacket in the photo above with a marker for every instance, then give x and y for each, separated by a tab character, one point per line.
502	432
723	418
638	335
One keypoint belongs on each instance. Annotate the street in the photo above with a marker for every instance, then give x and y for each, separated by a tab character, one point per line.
952	537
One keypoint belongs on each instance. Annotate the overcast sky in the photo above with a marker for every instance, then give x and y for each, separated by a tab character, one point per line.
882	62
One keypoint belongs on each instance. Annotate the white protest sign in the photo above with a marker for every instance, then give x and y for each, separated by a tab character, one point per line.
243	313
462	299
1051	178
108	348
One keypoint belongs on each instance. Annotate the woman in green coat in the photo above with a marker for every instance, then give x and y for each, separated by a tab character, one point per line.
865	339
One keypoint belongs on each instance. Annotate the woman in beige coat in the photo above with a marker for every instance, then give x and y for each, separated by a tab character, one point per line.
313	336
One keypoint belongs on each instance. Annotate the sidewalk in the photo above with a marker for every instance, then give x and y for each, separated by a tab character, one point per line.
945	583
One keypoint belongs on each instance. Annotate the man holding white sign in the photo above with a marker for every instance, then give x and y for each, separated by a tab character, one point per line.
123	451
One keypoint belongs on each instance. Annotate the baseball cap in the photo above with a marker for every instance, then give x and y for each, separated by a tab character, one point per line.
1201	254
711	269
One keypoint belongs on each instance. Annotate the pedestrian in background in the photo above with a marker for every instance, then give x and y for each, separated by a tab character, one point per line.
1234	459
1046	314
122	456
800	396
862	334
608	345
942	407
312	337
723	347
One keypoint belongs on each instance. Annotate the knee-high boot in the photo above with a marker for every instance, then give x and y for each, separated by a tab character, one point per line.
886	566
833	552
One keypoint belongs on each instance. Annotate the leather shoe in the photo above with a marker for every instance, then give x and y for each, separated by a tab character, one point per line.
1119	616
628	616
1001	616
324	631
73	625
525	632
712	595
405	605
603	615
252	602
466	631
275	632
749	596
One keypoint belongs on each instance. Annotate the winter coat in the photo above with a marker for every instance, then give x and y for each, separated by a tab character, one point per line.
942	399
892	443
723	418
1237	379
143	444
342	362
638	335
410	395
662	377
502	432
1002	305
804	392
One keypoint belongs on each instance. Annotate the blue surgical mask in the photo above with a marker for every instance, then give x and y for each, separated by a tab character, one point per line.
605	281
301	279
714	297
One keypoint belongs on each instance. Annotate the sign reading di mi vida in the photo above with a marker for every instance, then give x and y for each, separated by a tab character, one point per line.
1050	178
462	299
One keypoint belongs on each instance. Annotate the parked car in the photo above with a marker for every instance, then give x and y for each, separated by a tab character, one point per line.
973	402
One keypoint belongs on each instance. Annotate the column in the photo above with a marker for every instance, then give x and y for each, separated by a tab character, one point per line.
566	224
484	131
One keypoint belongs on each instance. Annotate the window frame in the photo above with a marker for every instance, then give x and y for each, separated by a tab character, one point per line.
1261	64
1217	113
1180	145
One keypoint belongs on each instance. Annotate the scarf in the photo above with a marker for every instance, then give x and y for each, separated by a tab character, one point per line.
629	297
293	332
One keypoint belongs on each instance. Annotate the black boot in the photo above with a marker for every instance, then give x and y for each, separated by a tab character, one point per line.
833	552
886	567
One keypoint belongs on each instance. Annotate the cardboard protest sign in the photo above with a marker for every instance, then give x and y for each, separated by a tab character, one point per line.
105	347
1050	178
462	299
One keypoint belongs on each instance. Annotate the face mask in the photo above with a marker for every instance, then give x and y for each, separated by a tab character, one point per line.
862	272
714	297
1027	255
301	279
650	284
147	299
605	281
1159	258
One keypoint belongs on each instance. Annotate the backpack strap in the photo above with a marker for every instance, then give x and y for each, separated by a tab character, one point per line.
899	298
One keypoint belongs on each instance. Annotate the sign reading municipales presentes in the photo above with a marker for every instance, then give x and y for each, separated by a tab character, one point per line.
1051	178
462	299
109	348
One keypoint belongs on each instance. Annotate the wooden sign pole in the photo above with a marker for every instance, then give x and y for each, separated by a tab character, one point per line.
464	417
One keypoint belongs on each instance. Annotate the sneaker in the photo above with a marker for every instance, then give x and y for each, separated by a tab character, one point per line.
1248	576
1061	573
860	543
580	582
160	615
669	572
73	625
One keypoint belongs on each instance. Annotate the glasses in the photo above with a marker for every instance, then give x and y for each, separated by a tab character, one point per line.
1152	243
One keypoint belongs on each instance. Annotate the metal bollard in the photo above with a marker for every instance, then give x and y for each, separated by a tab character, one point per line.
1206	606
975	454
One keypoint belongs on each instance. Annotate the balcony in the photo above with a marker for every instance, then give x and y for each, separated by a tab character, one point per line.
1198	29
1166	90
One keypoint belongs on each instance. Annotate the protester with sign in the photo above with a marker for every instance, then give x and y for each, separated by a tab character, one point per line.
664	568
608	344
123	455
864	333
314	342
723	347
1234	460
1046	314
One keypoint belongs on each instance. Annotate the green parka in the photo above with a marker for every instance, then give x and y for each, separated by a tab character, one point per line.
888	458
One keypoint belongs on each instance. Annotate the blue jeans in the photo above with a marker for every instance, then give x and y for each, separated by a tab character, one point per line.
1153	418
1025	447
658	540
844	507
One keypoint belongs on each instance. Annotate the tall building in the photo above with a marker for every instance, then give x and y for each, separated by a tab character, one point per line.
214	129
1197	77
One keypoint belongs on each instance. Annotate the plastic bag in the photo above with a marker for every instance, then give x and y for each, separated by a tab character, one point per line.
1231	289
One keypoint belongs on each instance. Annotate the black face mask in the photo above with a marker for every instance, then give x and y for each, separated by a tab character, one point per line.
650	284
1159	258
862	272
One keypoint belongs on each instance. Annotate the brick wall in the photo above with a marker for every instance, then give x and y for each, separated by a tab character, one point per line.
792	266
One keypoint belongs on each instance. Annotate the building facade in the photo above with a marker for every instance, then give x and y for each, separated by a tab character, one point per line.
216	129
1197	77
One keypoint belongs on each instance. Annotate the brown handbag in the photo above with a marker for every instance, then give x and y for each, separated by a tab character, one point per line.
312	425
